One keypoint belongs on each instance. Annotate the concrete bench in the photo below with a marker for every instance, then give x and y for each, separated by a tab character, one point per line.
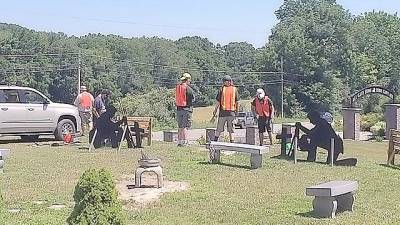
256	152
3	154
332	196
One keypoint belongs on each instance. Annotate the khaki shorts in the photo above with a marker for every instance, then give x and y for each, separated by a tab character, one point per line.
184	118
86	117
229	123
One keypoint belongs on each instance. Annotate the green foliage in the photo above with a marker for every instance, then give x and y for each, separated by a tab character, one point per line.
96	200
327	55
201	140
158	103
378	129
370	119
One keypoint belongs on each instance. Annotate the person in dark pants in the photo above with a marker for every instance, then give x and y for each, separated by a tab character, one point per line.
263	111
184	99
108	129
227	104
319	136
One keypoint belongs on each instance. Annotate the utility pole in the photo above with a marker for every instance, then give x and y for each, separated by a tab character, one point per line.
282	87
79	72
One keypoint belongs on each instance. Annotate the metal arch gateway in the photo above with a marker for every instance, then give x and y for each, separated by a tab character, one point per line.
371	90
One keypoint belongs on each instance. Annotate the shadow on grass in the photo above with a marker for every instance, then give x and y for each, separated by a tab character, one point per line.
394	167
311	214
342	162
226	164
17	140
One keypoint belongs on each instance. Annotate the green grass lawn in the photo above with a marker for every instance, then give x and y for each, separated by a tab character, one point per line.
218	194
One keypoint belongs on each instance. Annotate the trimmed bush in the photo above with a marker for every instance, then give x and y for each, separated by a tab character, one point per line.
96	200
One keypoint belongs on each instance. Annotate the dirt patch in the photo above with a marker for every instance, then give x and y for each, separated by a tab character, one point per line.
135	198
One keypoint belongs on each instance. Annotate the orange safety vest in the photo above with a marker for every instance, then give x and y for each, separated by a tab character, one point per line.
86	100
263	109
180	95
228	98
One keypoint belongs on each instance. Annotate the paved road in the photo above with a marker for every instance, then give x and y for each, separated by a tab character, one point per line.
195	134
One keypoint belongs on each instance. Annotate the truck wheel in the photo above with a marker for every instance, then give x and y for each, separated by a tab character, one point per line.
63	127
29	138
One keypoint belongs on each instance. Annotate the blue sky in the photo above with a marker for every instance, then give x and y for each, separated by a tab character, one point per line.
221	21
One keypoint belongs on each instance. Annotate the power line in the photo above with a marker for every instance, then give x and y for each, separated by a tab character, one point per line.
144	24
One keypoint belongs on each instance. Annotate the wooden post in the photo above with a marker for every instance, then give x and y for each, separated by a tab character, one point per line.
150	131
295	150
332	150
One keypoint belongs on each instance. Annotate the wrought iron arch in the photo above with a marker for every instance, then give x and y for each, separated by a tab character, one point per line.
371	90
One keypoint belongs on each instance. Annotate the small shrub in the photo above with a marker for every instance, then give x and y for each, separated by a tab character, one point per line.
378	129
379	138
96	200
201	140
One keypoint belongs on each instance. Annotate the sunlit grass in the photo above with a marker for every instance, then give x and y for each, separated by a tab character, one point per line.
219	194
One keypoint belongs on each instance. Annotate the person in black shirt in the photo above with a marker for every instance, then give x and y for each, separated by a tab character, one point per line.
319	136
108	129
184	98
227	104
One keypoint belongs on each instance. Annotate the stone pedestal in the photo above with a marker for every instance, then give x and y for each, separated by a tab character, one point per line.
170	136
140	170
392	117
210	134
251	135
351	123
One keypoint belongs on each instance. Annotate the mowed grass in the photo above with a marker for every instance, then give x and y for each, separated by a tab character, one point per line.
202	115
230	193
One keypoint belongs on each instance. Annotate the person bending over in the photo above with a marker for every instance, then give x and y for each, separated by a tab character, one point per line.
319	136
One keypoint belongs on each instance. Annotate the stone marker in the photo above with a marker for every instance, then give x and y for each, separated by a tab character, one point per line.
170	136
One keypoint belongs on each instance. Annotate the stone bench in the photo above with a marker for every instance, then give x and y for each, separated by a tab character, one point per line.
3	154
332	196
256	152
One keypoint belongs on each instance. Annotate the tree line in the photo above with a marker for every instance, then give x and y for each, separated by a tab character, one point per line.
325	52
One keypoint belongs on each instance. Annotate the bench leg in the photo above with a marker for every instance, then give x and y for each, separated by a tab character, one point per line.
325	206
345	202
138	177
255	161
215	155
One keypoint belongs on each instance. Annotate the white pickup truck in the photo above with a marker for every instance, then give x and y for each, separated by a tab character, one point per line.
27	113
244	119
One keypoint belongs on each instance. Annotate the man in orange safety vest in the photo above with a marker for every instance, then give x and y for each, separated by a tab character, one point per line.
85	102
184	98
227	103
263	110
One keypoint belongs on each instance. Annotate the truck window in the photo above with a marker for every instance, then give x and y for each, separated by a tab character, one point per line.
33	97
11	96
